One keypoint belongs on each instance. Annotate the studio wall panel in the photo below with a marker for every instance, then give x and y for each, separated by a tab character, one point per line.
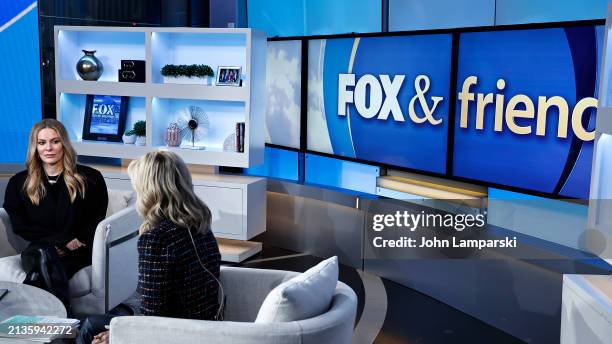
542	11
405	15
20	104
314	17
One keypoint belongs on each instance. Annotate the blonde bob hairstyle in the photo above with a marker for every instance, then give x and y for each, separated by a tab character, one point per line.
164	190
34	187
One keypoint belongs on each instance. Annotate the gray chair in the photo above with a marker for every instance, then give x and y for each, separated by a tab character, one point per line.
113	276
246	290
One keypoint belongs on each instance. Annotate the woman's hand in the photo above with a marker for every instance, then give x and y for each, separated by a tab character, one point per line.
74	244
101	338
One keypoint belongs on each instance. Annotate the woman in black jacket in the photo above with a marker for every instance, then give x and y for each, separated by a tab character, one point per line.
55	204
178	255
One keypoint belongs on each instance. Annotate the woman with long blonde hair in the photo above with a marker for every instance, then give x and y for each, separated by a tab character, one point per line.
179	260
55	204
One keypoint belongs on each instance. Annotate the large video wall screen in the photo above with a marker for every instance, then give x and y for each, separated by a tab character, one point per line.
525	111
381	99
524	104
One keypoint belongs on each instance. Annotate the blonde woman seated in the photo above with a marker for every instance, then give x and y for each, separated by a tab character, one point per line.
179	258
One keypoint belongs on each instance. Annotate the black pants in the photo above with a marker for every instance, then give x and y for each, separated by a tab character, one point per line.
92	326
45	269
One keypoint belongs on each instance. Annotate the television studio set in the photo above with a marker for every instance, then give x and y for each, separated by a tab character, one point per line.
306	171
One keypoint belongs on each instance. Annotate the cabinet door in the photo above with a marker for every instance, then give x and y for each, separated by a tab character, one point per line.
227	211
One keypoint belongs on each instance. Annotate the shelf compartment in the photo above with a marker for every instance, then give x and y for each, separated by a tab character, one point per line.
72	115
111	47
213	49
221	116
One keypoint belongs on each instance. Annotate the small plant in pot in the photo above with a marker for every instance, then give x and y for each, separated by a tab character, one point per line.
129	137
187	74
140	131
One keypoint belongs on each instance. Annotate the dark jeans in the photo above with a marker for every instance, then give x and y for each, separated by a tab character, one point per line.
93	325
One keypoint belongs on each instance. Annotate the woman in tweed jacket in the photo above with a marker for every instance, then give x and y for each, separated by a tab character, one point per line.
174	279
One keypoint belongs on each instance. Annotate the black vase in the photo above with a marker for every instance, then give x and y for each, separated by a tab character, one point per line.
89	67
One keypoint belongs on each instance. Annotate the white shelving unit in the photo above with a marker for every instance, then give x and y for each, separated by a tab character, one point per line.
160	103
238	204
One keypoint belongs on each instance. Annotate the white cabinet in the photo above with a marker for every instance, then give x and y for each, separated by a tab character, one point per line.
586	313
237	203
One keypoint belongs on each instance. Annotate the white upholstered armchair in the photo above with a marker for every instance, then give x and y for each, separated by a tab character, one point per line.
113	275
246	290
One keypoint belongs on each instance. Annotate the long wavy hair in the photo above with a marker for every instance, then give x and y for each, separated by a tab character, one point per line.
34	187
164	190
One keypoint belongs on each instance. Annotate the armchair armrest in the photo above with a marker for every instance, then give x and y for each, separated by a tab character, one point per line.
115	257
161	330
10	243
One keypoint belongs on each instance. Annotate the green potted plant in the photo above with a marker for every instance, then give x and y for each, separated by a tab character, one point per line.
187	74
140	131
129	137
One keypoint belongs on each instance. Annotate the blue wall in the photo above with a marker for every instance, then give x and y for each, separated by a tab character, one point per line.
314	17
20	100
407	15
541	11
317	17
442	14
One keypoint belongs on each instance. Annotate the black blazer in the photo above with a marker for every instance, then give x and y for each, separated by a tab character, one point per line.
55	220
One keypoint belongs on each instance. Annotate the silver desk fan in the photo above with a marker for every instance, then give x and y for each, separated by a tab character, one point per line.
194	125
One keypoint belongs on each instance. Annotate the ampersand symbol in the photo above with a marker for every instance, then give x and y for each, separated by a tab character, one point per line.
420	95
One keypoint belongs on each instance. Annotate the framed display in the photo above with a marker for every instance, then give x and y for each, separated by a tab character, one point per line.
228	76
105	118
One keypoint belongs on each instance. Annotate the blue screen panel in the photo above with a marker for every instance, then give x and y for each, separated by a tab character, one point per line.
278	163
380	99
20	99
517	120
320	170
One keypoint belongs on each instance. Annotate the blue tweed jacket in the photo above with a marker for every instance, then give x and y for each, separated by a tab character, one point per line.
171	281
